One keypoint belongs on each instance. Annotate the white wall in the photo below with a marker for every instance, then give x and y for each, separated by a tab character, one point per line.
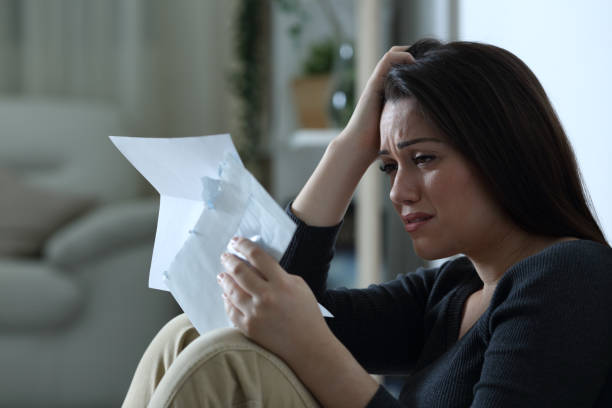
568	44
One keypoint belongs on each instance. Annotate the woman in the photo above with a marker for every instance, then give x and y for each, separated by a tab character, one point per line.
479	165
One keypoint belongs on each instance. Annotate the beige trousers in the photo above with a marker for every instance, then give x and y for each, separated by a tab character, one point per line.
219	369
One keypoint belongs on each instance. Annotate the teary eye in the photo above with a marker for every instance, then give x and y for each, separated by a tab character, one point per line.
423	159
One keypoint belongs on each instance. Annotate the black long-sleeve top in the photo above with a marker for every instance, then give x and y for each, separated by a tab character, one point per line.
544	341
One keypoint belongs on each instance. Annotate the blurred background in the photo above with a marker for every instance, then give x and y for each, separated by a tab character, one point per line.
77	223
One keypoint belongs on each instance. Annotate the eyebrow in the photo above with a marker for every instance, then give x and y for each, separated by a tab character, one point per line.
406	143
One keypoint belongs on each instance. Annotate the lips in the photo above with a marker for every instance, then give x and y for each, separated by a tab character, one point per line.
414	221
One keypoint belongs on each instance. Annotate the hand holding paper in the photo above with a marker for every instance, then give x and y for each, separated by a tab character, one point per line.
270	306
207	197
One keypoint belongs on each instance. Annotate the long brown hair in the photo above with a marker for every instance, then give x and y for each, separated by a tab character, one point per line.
495	112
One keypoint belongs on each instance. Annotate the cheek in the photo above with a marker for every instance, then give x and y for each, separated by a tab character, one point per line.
444	185
463	203
454	193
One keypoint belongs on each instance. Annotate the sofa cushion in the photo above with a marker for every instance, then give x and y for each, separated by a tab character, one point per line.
108	228
62	144
35	296
29	215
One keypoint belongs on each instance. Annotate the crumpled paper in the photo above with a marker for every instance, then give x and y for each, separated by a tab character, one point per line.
235	205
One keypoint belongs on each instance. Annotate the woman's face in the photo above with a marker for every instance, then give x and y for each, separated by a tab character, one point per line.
436	192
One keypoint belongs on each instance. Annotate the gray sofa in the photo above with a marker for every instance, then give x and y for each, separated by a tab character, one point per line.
76	234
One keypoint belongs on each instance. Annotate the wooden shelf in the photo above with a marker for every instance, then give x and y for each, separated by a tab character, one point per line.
312	138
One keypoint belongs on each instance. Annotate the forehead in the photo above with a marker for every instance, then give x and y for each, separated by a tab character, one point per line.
403	119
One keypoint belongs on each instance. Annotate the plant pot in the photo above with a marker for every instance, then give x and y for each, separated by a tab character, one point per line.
311	96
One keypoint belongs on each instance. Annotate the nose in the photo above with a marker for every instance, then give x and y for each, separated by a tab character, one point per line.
404	188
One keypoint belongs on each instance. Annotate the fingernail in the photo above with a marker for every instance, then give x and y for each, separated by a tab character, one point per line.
220	277
223	257
235	239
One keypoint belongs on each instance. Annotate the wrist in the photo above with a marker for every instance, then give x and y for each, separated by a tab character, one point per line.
352	150
316	346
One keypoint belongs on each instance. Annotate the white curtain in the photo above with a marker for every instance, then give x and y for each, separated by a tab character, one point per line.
164	64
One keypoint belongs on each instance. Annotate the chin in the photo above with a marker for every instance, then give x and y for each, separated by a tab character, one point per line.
431	250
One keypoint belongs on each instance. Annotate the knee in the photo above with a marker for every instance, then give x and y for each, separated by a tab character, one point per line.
178	323
175	336
225	368
228	337
226	356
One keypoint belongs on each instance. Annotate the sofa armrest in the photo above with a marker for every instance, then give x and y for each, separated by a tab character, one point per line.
108	228
34	295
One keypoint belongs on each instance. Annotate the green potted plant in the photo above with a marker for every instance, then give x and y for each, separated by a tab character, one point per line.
323	92
313	88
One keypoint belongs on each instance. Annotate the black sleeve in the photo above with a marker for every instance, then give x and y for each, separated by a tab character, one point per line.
382	326
382	399
310	252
